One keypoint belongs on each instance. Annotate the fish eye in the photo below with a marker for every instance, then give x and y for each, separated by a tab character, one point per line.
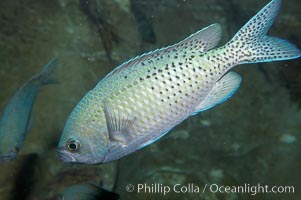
73	145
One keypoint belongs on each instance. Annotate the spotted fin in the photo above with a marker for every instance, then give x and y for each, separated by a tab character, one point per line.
221	92
201	41
120	126
252	45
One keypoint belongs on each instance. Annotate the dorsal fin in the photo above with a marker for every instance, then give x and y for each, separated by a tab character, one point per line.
201	41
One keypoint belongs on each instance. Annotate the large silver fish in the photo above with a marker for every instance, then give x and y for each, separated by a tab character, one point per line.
142	99
15	119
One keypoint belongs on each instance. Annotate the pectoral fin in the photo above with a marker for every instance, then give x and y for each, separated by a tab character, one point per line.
119	124
221	92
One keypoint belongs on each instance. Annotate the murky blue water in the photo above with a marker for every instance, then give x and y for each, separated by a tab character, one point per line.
252	139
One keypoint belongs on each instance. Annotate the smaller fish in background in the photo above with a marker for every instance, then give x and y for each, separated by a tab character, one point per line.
15	119
88	191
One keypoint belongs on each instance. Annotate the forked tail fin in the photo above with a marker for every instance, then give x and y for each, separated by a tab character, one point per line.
252	45
46	76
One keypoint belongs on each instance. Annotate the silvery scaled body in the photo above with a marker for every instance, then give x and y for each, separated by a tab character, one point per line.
142	99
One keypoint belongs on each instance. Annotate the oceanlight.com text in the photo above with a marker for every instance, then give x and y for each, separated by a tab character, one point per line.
192	188
249	189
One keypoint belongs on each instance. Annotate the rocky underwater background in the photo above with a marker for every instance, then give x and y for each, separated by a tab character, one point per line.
254	138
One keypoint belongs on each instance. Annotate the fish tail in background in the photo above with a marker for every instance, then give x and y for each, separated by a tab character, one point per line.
46	76
252	45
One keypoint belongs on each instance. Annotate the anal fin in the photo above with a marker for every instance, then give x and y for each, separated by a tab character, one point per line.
221	92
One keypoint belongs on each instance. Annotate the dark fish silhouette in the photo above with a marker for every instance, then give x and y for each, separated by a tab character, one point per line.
87	191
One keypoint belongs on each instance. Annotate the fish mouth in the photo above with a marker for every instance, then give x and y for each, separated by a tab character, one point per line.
66	157
8	156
